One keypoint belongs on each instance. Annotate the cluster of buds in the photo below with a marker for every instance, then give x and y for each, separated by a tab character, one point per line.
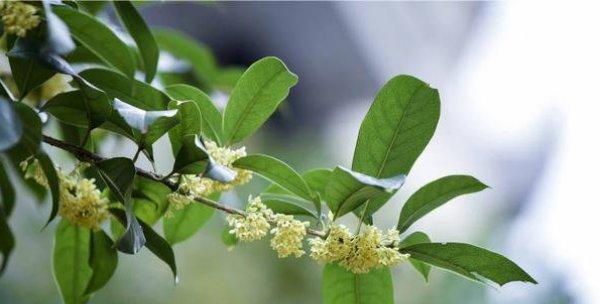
358	253
81	203
193	186
18	17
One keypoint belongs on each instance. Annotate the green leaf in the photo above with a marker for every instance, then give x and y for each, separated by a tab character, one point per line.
228	239
103	260
191	123
11	128
395	131
98	38
412	239
348	190
131	91
192	157
316	179
118	173
186	48
50	173
70	262
287	204
344	287
211	117
30	49
80	109
256	96
277	172
27	73
472	262
7	192
155	243
186	222
152	124
139	31
150	199
32	131
435	194
58	40
7	240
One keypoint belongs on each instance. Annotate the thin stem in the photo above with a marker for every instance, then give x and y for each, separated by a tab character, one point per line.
89	157
137	153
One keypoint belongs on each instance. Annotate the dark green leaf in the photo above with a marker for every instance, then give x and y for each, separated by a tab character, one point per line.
159	246
255	97
192	158
32	131
434	195
58	39
5	91
11	129
211	117
150	199
131	91
186	222
417	238
7	240
277	172
103	260
139	31
151	124
118	174
287	204
28	74
469	261
29	49
98	38
348	190
70	262
398	126
191	123
344	287
7	192
53	182
78	108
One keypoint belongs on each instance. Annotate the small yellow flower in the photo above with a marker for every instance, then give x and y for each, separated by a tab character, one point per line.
34	171
364	254
255	225
335	247
81	203
288	235
18	17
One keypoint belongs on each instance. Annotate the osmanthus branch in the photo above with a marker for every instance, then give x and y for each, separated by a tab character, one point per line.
89	157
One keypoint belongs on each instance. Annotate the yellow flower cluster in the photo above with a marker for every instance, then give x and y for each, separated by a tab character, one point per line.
192	186
34	171
358	253
81	203
255	225
288	235
18	17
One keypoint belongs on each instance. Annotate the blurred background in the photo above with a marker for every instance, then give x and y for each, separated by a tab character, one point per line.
519	90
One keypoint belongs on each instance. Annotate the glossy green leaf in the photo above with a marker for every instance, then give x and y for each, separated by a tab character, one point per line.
211	117
32	131
191	123
29	49
11	128
53	182
131	91
316	179
344	287
472	262
103	260
98	38
186	222
287	204
70	262
412	239
118	174
78	108
348	190
7	240
256	96
435	194
277	172
155	243
58	37
150	199
139	31
395	131
27	70
151	124
192	157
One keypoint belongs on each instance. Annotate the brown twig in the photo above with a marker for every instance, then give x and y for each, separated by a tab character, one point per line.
89	157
